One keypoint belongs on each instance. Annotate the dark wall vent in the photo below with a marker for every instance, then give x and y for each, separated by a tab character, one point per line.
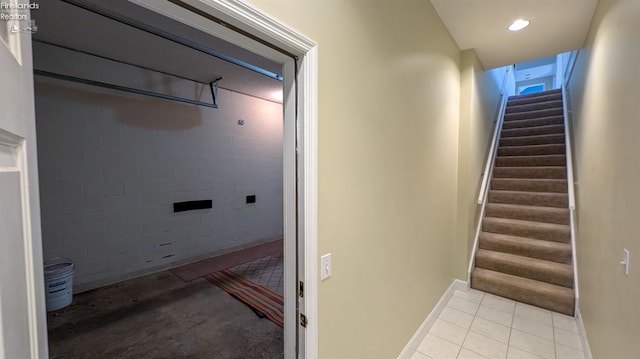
192	205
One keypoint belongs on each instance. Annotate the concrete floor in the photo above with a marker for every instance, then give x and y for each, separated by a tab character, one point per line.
160	316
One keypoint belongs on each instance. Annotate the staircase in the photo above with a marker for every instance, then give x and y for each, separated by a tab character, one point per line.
524	250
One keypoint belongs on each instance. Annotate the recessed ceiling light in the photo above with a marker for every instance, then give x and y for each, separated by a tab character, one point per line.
518	25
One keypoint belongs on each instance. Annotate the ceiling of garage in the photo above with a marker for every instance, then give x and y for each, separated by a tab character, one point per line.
74	27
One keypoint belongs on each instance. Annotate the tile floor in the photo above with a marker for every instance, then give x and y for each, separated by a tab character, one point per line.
479	325
267	271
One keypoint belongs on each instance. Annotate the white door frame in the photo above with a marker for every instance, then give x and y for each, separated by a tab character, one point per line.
23	321
300	149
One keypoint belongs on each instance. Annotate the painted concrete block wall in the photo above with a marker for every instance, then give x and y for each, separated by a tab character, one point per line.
112	164
604	92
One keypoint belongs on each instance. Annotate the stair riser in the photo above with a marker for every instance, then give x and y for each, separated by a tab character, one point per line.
526	101
556	200
552	254
524	185
557	302
561	235
551	274
534	106
544	215
545	121
532	140
531	161
557	149
532	114
530	172
533	131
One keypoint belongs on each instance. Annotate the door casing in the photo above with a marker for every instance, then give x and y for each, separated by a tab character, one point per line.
300	164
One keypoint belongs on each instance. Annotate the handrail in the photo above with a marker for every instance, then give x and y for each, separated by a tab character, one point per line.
496	136
572	198
488	171
571	191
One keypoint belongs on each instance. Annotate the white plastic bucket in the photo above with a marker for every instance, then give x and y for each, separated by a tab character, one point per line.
58	281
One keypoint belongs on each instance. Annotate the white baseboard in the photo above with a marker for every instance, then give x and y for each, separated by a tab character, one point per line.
583	335
424	328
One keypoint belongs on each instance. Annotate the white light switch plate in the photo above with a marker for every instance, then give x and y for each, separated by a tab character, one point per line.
625	261
325	266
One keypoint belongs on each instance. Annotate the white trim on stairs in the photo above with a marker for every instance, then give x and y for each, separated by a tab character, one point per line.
424	328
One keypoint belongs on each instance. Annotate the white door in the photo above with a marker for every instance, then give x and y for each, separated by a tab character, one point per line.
22	312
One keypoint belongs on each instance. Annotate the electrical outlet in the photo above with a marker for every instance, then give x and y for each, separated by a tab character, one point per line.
325	266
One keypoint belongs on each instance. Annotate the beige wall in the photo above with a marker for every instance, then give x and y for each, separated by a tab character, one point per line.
604	94
479	105
389	86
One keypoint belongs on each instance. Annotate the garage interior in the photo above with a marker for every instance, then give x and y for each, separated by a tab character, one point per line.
160	159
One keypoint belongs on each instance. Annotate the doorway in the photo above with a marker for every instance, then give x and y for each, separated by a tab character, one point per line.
146	165
305	112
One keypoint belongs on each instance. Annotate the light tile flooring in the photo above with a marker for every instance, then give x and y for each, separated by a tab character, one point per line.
477	325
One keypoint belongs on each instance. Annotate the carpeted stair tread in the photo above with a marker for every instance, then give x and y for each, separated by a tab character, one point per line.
528	213
528	229
532	131
553	297
548	172
541	98
532	268
544	121
540	199
524	249
531	161
533	114
532	150
530	184
527	247
533	140
534	106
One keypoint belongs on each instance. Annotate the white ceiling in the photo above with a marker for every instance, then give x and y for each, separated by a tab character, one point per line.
66	25
556	26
